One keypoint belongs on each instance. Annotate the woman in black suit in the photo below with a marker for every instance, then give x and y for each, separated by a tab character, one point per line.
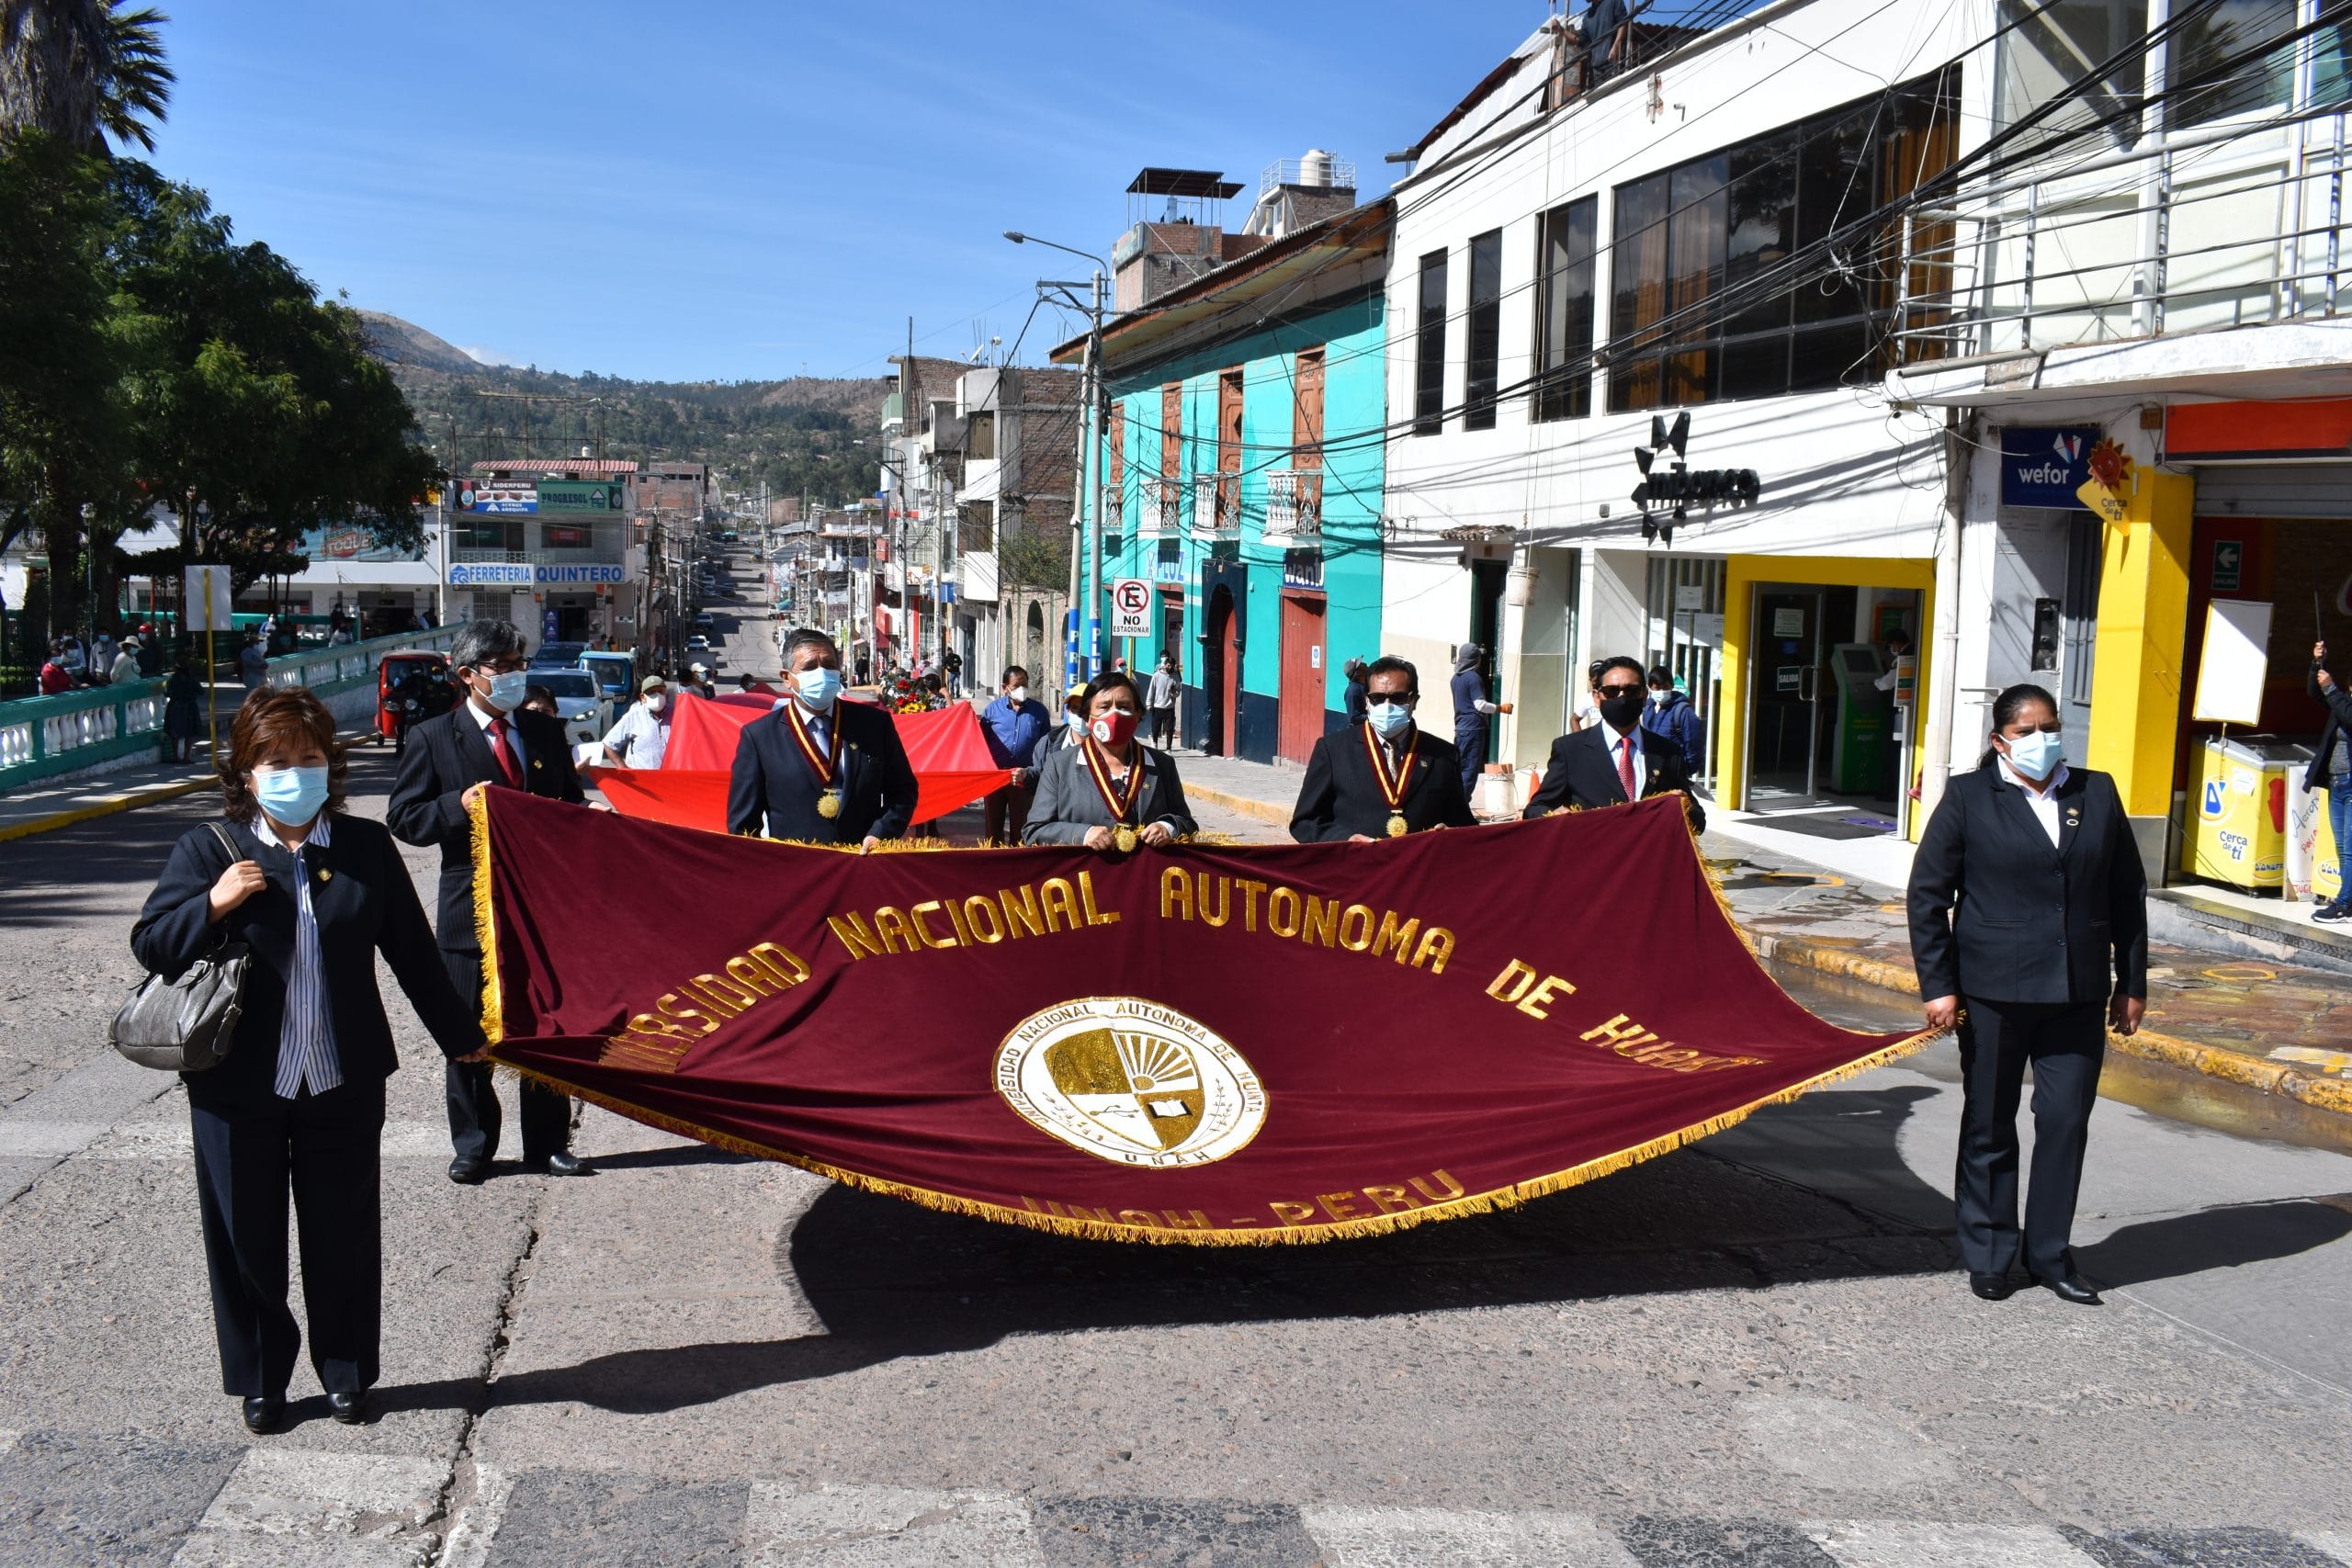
1110	791
298	1102
2030	927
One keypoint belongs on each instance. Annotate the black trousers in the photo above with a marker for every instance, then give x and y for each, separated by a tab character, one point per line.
1163	728
249	1152
475	1118
2065	1043
1004	812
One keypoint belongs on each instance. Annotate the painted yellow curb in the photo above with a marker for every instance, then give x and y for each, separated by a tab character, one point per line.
106	808
2321	1093
1264	810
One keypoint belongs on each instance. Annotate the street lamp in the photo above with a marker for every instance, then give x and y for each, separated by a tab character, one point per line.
1086	562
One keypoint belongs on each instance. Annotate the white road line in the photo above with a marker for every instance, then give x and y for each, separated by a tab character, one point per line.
886	1527
476	1524
2335	1543
1443	1537
47	1140
175	1140
288	1506
7	1439
1885	1543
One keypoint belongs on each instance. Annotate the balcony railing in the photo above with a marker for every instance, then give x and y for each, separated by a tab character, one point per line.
1295	503
478	555
1216	506
1158	513
2229	226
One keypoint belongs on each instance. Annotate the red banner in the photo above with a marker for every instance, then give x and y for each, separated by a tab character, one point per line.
1190	1045
949	755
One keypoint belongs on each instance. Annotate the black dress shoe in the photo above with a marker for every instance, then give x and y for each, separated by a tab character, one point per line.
2069	1287
350	1409
263	1414
1991	1287
561	1162
468	1172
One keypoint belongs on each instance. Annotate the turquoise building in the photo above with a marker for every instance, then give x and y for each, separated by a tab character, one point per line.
1242	479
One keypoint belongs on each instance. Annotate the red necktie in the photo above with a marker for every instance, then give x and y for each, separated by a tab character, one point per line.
1626	766
505	753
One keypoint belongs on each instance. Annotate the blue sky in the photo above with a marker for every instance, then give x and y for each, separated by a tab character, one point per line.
710	189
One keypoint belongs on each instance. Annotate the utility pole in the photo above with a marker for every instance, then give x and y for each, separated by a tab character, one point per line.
1096	421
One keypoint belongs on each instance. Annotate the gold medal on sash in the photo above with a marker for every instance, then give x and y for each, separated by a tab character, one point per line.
828	798
1392	790
1120	801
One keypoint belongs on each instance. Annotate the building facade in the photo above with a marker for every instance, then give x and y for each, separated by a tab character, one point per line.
1243	464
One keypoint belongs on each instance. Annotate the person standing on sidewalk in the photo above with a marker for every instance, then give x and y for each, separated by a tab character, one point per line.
1012	726
183	709
1160	701
2331	771
252	664
2029	928
449	761
1470	710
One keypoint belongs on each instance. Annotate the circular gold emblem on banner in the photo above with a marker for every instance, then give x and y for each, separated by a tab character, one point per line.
1131	1081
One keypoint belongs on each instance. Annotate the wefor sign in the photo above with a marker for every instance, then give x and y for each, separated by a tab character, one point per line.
2044	465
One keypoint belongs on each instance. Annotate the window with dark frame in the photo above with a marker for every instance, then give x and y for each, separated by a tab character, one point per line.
1564	310
1484	325
1689	320
1429	350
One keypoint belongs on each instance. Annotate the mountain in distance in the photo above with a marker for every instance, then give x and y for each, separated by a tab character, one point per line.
794	433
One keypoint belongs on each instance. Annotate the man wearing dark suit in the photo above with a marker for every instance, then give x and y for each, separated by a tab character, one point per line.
1344	799
483	742
817	769
2029	910
1616	761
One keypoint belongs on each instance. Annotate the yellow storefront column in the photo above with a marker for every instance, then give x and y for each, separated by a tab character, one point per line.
2143	637
1741	576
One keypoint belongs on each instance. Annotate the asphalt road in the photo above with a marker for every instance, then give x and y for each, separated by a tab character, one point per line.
1757	1350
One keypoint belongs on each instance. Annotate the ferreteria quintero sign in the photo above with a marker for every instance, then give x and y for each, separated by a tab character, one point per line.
519	574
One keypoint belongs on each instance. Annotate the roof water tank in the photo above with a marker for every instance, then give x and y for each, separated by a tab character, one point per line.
1315	169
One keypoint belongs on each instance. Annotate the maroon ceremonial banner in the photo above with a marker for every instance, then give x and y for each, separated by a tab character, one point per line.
1188	1044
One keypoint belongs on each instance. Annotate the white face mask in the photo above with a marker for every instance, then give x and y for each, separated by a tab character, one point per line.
1018	696
653	702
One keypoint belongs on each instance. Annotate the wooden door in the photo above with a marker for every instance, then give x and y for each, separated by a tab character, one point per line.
1306	440
1221	673
1301	720
1228	450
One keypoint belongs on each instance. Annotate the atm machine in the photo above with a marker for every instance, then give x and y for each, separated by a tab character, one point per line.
1863	734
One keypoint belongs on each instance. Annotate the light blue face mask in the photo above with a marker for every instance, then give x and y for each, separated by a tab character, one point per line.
1076	720
817	687
291	796
508	688
1388	718
2037	755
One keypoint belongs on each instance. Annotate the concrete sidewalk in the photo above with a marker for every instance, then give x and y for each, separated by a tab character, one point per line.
39	808
2277	1028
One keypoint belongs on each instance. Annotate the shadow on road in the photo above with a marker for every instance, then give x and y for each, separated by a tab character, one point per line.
891	1280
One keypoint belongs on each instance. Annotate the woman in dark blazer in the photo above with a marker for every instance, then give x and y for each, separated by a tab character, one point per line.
298	1102
1071	806
2030	927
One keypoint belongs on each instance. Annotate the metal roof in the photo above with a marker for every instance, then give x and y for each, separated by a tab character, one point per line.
1185	181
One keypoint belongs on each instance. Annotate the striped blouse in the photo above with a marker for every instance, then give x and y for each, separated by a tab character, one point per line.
306	1055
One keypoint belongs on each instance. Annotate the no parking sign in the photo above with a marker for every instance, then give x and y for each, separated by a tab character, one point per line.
1130	607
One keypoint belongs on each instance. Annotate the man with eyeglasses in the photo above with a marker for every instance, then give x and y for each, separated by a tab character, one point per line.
1616	759
488	740
1385	777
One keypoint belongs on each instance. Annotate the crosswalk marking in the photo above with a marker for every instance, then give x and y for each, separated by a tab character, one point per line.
175	1140
1442	1538
886	1527
321	1511
2335	1543
1881	1543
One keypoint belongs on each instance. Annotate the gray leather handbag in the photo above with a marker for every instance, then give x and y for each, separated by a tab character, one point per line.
186	1024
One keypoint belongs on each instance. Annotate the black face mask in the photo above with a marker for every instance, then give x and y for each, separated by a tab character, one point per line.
1620	713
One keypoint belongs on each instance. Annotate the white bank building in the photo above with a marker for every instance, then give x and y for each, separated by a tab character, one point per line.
1830	252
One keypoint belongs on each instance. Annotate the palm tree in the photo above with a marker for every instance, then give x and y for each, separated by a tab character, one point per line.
89	71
